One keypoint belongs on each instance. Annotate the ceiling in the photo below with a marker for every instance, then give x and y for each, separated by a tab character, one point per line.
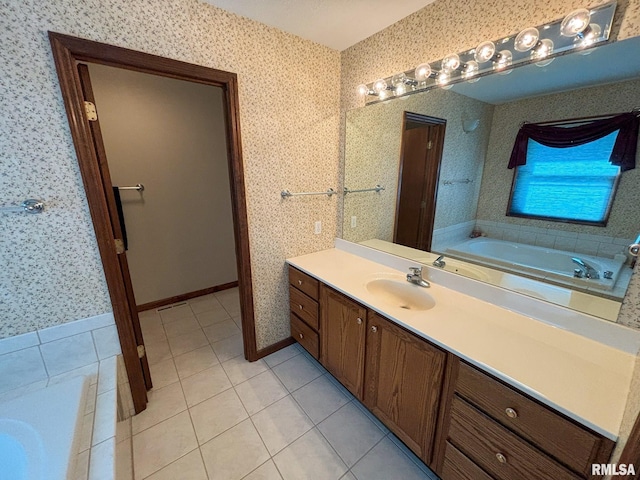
338	24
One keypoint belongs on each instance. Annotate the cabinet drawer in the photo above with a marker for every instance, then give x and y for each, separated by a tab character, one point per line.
498	451
304	307
556	435
304	282
305	335
458	467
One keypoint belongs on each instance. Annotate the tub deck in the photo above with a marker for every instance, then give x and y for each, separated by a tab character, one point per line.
39	432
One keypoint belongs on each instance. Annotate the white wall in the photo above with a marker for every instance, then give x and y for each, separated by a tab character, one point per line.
169	135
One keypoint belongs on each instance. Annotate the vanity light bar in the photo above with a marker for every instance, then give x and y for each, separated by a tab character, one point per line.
579	30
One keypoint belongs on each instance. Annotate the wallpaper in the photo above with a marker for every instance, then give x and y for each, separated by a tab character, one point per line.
50	269
624	219
372	155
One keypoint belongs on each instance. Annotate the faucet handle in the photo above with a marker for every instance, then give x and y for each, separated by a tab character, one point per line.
416	270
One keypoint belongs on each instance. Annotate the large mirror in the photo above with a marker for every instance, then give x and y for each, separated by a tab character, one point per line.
426	211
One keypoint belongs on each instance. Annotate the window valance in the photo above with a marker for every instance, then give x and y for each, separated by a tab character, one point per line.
624	149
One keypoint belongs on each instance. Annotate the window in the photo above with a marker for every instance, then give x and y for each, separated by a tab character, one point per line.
574	184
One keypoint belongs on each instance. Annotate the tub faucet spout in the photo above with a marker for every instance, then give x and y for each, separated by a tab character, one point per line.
584	269
439	262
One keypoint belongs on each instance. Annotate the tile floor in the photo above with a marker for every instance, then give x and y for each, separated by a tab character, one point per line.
213	415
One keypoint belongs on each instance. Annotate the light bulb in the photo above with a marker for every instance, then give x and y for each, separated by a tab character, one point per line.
575	22
400	89
443	78
470	69
363	90
422	71
485	51
503	61
380	85
542	50
526	39
450	63
591	34
383	94
398	79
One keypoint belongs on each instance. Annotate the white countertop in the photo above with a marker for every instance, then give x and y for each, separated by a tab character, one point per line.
578	376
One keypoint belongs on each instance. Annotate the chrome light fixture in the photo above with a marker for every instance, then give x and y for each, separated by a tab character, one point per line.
580	30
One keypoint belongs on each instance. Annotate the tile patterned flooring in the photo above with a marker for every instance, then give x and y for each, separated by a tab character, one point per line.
213	415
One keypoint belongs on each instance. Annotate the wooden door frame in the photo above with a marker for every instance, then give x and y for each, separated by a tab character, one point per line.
67	52
432	175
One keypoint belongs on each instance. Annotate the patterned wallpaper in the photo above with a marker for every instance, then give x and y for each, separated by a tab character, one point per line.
624	220
372	154
50	269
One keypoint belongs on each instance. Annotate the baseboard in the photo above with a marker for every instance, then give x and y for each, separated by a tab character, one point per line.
185	296
263	352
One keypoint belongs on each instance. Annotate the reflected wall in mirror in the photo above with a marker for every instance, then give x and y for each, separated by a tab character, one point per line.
482	120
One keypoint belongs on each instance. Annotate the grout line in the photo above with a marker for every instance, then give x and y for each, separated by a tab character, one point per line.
171	463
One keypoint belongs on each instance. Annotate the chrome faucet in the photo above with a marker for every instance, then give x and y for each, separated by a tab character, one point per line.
415	277
584	269
439	262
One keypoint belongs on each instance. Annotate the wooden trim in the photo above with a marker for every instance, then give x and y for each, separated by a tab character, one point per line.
442	427
263	352
83	141
185	296
67	52
433	161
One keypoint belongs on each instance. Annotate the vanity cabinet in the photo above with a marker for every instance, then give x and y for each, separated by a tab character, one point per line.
463	423
303	310
343	326
492	428
403	382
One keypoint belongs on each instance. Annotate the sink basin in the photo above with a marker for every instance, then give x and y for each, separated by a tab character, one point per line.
401	294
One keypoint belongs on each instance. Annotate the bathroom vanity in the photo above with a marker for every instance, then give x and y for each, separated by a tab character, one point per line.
475	390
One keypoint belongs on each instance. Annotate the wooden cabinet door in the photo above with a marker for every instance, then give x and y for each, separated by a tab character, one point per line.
342	329
403	383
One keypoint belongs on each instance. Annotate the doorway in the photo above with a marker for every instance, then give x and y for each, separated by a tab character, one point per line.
419	170
70	54
166	149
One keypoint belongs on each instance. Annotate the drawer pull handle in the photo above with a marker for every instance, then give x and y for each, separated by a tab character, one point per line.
511	413
299	282
359	321
300	306
501	458
374	329
301	336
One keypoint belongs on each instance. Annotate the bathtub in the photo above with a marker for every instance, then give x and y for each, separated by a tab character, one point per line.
538	262
39	432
